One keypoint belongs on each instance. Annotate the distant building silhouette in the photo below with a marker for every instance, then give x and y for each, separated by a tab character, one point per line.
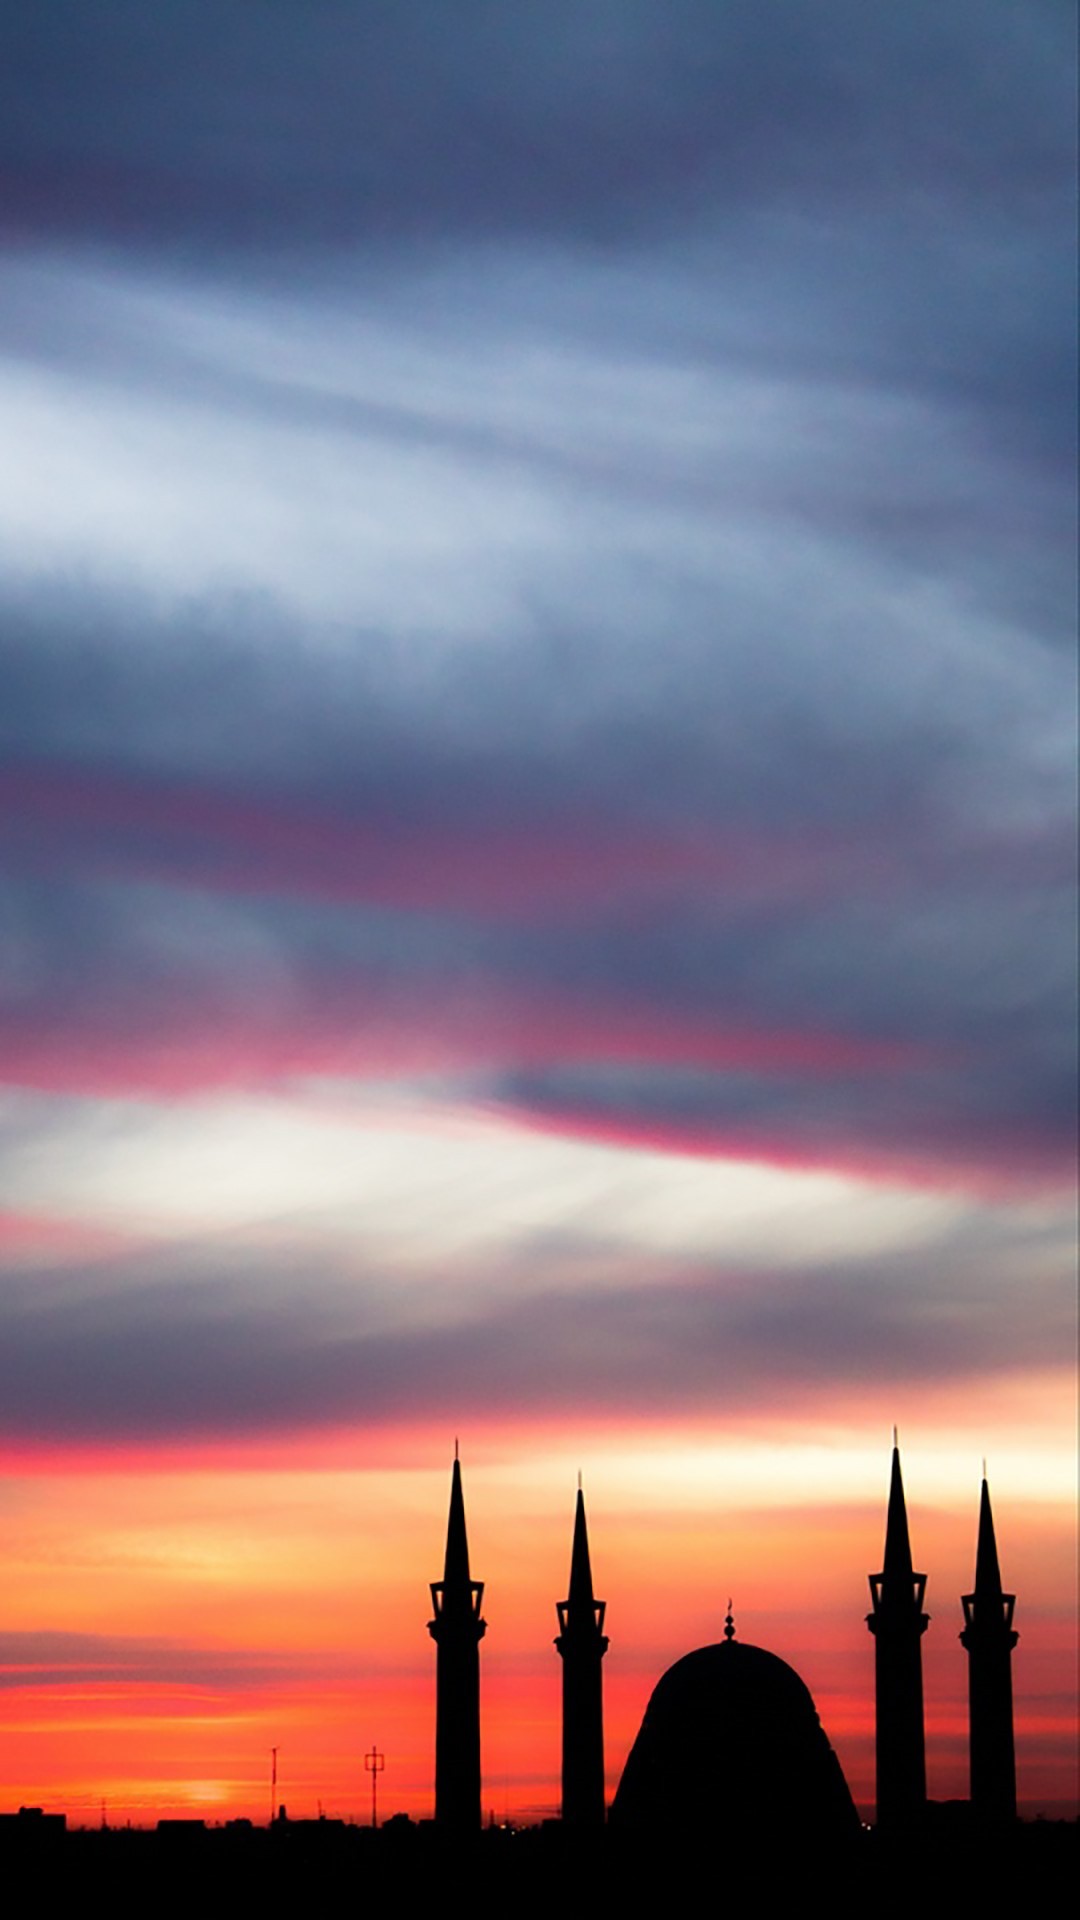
582	1644
457	1631
989	1637
898	1624
731	1748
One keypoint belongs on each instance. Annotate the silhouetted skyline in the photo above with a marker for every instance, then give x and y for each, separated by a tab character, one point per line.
731	1744
537	814
731	1747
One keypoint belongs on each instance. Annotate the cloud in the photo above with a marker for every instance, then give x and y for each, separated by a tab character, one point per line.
225	1340
443	445
542	561
603	121
38	1659
692	890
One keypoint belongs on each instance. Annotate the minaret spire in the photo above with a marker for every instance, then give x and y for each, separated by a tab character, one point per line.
456	1564
457	1631
898	1570
987	1570
582	1644
898	1624
989	1638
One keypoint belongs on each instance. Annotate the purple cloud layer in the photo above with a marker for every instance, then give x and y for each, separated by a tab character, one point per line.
39	1658
223	1343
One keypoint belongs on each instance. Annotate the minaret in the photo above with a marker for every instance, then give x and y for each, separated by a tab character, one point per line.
457	1631
990	1638
582	1643
898	1624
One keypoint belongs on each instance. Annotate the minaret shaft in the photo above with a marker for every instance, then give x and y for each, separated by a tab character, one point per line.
457	1630
582	1645
898	1624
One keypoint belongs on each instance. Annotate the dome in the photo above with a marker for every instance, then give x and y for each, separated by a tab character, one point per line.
731	1743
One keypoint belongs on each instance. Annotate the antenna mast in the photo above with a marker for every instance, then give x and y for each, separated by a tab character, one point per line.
374	1763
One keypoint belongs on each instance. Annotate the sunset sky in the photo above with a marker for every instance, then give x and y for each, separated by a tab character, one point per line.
537	708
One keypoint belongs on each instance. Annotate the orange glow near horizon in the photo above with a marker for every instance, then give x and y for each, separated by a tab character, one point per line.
163	1629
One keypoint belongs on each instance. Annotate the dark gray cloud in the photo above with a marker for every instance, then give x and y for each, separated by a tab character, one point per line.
750	710
338	122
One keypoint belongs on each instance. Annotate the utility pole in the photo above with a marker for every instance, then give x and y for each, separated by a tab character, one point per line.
374	1763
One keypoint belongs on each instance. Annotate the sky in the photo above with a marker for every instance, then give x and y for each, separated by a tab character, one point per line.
537	724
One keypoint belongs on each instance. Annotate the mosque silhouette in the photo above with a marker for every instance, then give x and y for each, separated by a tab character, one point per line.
731	1789
731	1732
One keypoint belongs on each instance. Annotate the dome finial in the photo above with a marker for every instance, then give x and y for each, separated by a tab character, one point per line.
729	1623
